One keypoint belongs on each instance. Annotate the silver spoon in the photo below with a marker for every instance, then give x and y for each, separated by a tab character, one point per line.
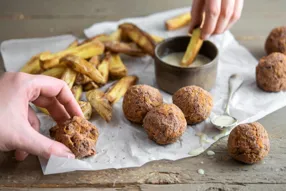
226	120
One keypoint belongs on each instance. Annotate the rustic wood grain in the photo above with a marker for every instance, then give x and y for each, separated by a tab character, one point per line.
34	18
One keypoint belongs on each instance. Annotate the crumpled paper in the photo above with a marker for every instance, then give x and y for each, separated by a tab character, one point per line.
122	144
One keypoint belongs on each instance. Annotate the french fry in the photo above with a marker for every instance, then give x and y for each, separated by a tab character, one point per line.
84	51
124	37
84	67
90	86
125	48
100	103
156	38
143	39
86	109
103	67
33	65
101	38
115	36
178	21
95	61
77	91
116	67
118	90
82	79
43	110
69	76
54	72
73	44
193	48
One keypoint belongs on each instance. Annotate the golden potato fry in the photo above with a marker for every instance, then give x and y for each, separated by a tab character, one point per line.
82	79
43	110
33	65
84	67
125	48
100	103
77	91
156	38
124	37
69	76
102	37
116	35
95	61
73	44
86	109
143	39
90	86
54	72
116	67
118	90
178	21
103	67
193	48
84	51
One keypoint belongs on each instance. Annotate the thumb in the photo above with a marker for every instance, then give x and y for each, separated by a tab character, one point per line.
37	144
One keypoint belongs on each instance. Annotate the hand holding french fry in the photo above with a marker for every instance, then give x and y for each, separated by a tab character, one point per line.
219	15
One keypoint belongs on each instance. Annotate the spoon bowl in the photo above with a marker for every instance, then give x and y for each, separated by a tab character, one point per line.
224	121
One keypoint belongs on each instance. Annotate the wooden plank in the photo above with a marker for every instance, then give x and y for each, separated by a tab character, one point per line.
127	188
213	187
180	187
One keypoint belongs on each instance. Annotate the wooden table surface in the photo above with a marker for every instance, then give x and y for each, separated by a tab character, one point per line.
35	18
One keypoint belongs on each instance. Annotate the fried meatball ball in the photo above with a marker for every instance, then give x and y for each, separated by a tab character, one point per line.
271	72
195	102
276	40
138	100
78	134
248	143
165	124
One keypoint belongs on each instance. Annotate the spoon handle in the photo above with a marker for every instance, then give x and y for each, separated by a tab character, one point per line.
234	83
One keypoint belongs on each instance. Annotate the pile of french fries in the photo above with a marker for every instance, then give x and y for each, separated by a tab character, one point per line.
86	66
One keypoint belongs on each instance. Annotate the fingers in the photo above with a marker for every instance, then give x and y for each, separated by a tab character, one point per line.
196	14
227	7
33	119
21	155
238	6
49	87
54	107
35	123
35	143
212	10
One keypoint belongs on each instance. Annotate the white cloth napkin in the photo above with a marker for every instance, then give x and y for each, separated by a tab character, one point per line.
122	144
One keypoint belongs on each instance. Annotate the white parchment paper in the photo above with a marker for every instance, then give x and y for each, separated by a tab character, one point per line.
122	144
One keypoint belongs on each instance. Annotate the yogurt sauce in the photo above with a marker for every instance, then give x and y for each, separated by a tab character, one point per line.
175	59
224	120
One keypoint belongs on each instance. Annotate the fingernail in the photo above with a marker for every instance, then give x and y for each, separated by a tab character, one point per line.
70	156
205	37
